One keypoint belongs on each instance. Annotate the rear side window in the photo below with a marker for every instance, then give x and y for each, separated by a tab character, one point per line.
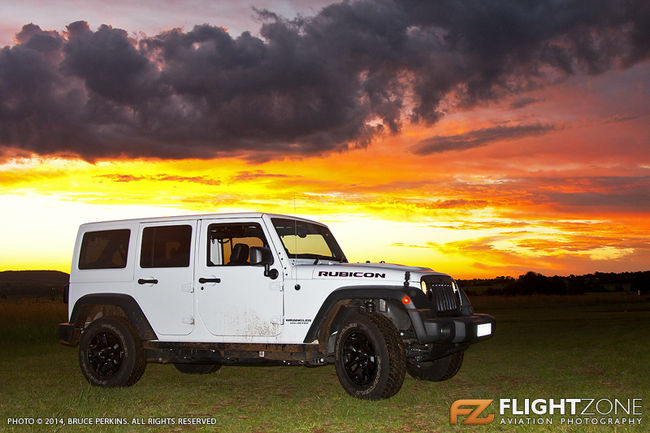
106	249
166	247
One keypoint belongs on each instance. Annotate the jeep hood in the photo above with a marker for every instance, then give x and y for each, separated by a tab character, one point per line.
362	272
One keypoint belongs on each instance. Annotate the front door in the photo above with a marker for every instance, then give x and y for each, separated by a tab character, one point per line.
235	298
164	274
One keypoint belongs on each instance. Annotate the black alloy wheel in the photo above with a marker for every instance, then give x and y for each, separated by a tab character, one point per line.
369	357
359	358
105	354
110	353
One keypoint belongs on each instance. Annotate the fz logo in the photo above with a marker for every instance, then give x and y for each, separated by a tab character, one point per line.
464	407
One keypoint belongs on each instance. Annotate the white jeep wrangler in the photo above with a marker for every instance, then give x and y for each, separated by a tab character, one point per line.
249	288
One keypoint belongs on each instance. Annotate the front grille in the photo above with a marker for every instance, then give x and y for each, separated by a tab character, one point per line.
440	290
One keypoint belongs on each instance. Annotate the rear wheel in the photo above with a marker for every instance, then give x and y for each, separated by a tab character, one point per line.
438	370
110	353
197	368
369	357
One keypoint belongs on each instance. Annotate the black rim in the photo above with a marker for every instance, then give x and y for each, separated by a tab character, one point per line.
359	360
105	354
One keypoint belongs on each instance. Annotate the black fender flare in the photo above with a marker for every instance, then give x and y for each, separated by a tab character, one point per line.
418	300
127	303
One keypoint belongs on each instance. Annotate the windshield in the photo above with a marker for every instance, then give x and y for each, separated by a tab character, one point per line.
303	240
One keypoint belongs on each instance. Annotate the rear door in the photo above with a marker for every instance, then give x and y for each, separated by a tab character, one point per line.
235	298
164	275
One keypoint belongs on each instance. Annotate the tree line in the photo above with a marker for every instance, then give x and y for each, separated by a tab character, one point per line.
535	283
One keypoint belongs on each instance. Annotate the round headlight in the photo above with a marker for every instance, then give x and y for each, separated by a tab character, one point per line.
423	286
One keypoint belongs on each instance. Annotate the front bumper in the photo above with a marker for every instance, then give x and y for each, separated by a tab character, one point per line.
453	330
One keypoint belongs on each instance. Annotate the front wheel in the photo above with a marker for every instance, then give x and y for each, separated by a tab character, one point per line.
438	370
110	353
369	357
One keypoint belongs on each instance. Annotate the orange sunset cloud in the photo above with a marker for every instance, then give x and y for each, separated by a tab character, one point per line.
414	145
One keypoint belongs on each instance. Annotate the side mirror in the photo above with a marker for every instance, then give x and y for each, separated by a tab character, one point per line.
263	256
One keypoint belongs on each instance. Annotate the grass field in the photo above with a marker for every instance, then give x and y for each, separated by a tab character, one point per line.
590	346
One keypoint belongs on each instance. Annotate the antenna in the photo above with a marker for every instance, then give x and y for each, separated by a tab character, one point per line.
295	227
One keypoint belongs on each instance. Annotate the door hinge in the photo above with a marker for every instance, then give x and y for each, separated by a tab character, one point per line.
188	320
187	288
279	286
277	320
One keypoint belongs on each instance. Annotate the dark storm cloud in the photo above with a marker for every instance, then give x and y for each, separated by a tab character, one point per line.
477	138
621	118
305	86
523	102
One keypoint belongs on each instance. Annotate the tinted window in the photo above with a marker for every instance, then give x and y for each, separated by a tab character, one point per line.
166	247
230	244
104	249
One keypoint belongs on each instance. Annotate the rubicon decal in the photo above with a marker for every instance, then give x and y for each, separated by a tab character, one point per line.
345	274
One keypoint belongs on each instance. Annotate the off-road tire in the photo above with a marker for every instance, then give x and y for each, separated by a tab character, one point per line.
110	353
369	357
197	368
438	370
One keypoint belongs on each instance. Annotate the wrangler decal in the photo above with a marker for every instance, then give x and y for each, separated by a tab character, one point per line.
298	321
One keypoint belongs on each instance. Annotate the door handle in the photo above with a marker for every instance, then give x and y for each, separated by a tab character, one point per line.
209	280
145	281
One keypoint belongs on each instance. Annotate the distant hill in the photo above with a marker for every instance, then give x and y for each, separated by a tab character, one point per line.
532	283
32	284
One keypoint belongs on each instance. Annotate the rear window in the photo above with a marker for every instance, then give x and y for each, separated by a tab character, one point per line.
106	249
166	247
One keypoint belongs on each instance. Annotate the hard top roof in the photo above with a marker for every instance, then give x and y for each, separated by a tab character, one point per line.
231	215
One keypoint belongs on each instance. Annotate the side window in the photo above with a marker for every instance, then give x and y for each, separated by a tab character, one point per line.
166	247
230	244
104	249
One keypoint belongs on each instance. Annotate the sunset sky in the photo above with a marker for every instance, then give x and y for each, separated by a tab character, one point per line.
479	138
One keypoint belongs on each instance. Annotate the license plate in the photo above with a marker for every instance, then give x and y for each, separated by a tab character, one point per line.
483	329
